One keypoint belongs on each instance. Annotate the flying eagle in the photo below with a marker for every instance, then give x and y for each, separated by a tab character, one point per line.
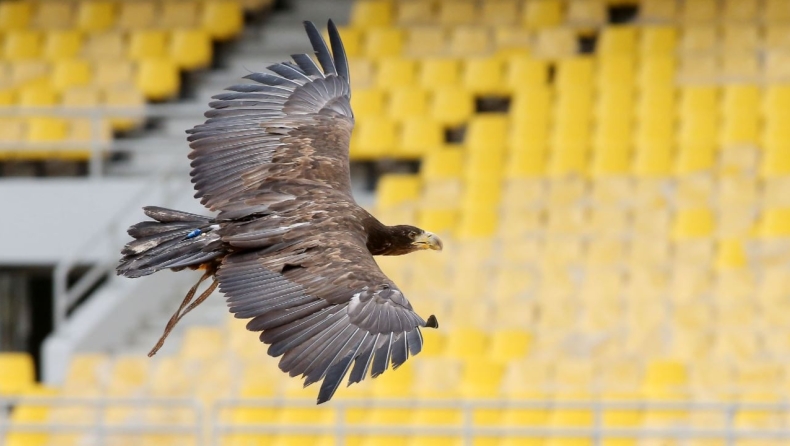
290	248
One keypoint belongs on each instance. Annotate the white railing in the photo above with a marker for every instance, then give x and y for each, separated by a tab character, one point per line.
101	430
63	295
209	427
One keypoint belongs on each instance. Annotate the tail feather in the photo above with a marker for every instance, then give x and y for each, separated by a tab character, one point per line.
174	240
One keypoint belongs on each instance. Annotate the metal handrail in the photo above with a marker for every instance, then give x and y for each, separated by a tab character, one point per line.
597	431
103	429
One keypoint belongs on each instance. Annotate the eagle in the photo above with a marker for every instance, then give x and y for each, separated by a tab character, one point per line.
289	247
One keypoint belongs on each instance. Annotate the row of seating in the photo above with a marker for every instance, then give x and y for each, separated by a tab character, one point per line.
190	48
552	13
221	19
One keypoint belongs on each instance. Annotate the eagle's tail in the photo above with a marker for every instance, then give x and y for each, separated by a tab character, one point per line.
174	239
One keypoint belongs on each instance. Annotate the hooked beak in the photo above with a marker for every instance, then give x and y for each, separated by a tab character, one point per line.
428	240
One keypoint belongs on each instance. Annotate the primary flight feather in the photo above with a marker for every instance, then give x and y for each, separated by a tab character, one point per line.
290	248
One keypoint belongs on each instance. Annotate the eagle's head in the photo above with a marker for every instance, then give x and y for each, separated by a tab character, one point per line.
405	239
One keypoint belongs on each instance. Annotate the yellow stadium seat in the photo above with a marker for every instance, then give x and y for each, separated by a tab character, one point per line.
542	14
21	45
696	156
202	343
461	12
699	38
699	11
658	40
657	72
693	223
438	220
147	44
500	12
223	19
37	96
17	373
741	115
27	72
509	345
586	13
106	46
62	44
451	105
468	41
424	40
407	102
158	79
665	374
741	66
85	371
618	41
71	73
483	76
616	73
487	133
576	72
395	72
466	343
776	11
653	160
731	255
54	14
397	189
95	16
178	14
531	106
525	72
435	73
741	37
776	162
46	129
442	164
371	13
481	379
190	49
373	138
611	157
383	42
414	12
363	73
419	136
367	102
109	73
15	15
138	14
556	43
776	36
775	223
7	97
740	11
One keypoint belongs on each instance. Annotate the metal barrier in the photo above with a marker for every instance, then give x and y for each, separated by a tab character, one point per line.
101	430
63	296
209	429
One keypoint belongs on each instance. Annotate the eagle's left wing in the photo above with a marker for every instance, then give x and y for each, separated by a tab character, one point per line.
323	304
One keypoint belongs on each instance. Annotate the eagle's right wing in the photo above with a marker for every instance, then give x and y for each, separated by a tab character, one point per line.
293	124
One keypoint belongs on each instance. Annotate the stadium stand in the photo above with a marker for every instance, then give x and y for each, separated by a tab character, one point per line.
617	233
128	52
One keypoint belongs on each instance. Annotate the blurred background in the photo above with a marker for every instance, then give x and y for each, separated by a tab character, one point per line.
611	179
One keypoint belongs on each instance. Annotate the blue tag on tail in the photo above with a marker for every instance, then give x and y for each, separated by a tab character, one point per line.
194	233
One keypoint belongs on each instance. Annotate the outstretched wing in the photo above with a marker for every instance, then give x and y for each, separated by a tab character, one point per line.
293	123
326	307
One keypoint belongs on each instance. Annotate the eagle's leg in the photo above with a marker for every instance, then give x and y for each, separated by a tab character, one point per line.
177	315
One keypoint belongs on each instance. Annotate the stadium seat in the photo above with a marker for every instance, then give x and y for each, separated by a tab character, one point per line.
371	13
397	189
224	19
451	105
15	15
658	40
21	45
17	374
95	16
190	49
109	73
367	102
147	44
699	11
414	12
424	41
407	103
419	136
542	14
136	15
483	76
586	13
383	42
158	79
71	73
373	138
462	12
435	73
468	41
178	14
54	14
395	72
62	44
106	46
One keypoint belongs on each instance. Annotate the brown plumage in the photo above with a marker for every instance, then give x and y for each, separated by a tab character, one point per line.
290	248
